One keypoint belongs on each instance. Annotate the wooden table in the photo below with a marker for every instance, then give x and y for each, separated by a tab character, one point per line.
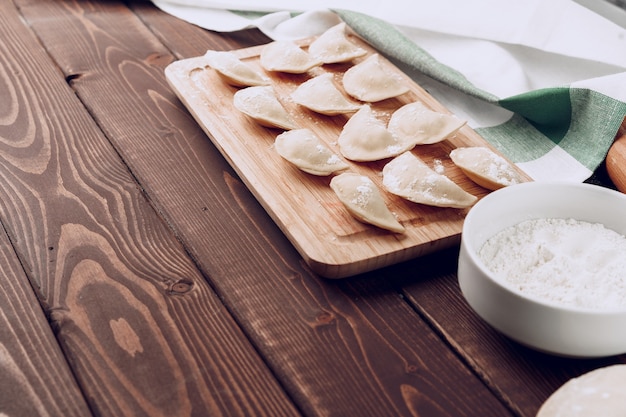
140	277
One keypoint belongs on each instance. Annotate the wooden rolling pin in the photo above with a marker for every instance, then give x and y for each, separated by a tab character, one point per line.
616	159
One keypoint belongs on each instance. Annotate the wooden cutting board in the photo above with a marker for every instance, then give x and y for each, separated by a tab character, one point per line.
616	159
331	241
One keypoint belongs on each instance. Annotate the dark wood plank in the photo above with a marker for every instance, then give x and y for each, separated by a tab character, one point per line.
338	348
35	379
143	332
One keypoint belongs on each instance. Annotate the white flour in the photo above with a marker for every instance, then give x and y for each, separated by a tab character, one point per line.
565	261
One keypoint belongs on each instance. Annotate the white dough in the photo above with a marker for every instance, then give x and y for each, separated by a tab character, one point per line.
363	200
333	46
233	70
366	138
261	104
599	393
286	56
321	95
307	151
370	81
416	123
409	177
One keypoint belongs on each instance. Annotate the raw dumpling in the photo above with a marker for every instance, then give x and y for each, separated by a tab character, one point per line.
365	138
416	123
306	150
485	167
286	56
321	95
370	81
233	70
363	200
409	177
260	103
333	46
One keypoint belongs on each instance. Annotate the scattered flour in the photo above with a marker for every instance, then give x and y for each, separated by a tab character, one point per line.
565	261
438	166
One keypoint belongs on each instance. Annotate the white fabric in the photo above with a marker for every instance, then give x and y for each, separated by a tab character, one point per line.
496	44
556	165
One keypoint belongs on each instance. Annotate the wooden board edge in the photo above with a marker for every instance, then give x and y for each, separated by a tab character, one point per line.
359	266
616	159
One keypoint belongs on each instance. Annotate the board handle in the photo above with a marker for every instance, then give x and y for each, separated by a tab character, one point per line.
616	159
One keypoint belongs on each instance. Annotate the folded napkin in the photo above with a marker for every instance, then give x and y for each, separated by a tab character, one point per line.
542	81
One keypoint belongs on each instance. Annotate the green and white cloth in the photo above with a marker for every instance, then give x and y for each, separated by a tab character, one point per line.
543	81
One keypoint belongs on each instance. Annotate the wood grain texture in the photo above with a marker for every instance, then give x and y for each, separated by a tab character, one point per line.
143	332
35	379
616	159
321	340
331	241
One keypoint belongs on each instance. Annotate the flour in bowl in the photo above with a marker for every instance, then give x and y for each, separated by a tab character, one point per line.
565	261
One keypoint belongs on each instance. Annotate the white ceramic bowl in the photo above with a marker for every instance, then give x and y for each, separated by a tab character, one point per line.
542	325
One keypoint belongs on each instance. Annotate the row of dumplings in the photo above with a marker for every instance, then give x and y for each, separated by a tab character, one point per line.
332	47
367	81
405	175
364	137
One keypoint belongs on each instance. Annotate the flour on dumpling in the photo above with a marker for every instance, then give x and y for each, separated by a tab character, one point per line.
370	81
485	167
409	177
333	46
261	104
416	123
307	151
363	200
321	95
365	138
232	70
286	56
